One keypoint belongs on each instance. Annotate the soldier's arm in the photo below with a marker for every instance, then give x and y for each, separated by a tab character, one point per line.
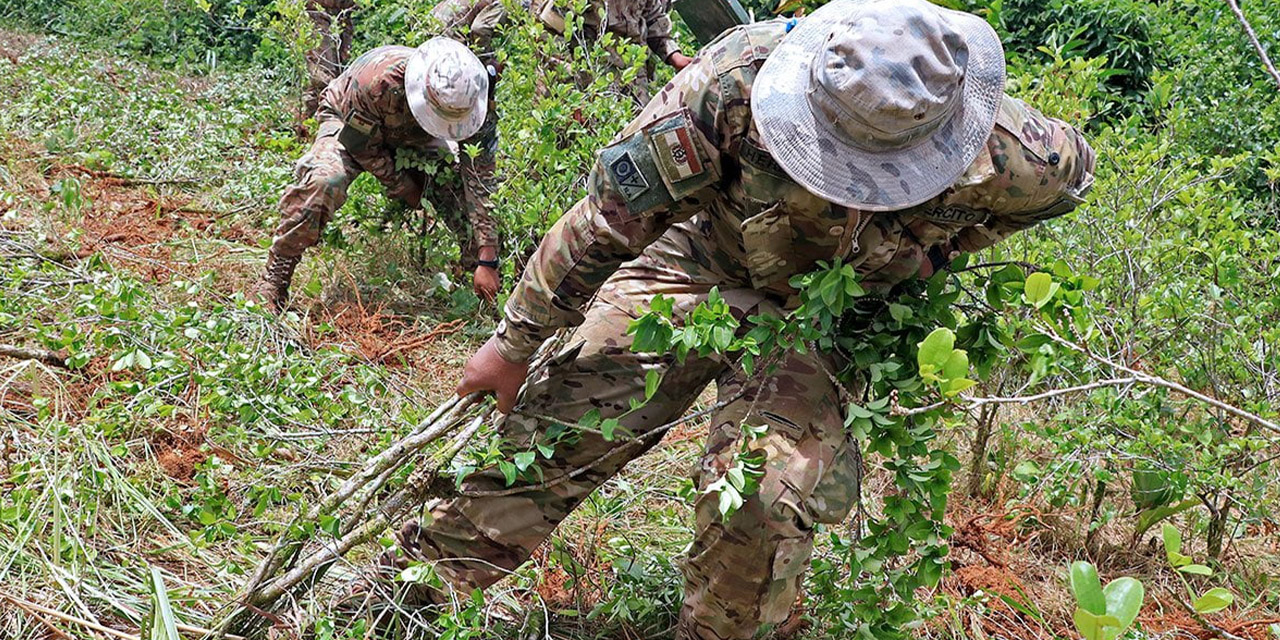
477	18
377	94
1044	169
483	26
659	36
662	169
478	181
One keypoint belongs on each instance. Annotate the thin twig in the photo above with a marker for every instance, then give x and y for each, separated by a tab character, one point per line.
1205	624
31	606
436	425
1253	38
1157	381
974	403
45	621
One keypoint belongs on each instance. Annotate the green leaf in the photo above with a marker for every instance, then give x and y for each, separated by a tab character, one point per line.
1038	289
1196	569
1173	546
1213	600
1033	342
1151	517
1087	588
952	387
330	525
509	471
525	459
956	366
163	624
1092	626
420	573
736	478
936	349
1124	600
608	427
651	380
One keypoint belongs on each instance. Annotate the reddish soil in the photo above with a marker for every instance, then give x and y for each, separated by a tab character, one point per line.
559	589
125	213
180	452
996	553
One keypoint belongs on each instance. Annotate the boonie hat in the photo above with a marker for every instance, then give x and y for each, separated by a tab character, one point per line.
880	104
448	89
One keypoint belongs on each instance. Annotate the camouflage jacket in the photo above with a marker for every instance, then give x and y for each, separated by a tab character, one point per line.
369	100
640	21
689	195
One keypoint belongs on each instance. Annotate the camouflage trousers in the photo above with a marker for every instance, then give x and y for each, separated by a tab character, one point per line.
319	188
741	573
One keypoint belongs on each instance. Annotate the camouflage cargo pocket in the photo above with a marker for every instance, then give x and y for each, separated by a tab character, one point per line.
767	239
790	561
837	490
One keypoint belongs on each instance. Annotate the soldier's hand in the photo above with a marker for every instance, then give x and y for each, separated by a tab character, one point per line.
679	60
488	371
485	282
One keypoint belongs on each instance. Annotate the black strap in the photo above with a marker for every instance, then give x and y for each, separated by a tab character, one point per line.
940	256
492	264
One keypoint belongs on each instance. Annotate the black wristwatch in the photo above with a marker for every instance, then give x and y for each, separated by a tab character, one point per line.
492	264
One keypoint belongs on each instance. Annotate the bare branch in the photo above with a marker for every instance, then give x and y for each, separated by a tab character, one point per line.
973	403
1253	38
51	358
1157	381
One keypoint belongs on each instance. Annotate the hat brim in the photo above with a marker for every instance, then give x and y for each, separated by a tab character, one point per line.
831	166
415	88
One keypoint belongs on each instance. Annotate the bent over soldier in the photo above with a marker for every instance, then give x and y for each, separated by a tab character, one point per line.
429	99
875	132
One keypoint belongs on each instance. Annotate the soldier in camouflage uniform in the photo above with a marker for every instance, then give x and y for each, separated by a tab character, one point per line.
875	132
426	99
471	21
332	21
646	22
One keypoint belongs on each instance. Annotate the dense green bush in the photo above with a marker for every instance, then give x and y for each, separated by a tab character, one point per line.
186	31
1117	30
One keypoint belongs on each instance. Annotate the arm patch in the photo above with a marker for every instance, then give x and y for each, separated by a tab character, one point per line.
682	163
633	174
356	132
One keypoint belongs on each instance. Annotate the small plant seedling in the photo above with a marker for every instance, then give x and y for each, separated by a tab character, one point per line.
1103	613
1211	601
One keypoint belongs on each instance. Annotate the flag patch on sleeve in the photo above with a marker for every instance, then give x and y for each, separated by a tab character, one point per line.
676	148
678	151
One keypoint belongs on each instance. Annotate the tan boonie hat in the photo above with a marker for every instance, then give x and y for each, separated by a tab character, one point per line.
448	89
880	104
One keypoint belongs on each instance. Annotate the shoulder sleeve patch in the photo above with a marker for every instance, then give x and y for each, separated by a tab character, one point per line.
682	163
634	175
356	131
